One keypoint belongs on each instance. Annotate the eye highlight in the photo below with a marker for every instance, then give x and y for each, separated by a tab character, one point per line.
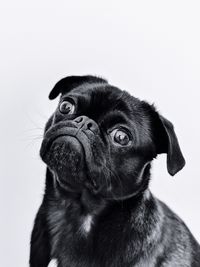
66	107
120	137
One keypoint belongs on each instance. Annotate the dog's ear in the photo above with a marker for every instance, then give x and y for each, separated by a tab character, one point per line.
68	83
167	142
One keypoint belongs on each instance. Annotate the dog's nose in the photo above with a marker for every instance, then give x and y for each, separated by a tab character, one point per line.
86	123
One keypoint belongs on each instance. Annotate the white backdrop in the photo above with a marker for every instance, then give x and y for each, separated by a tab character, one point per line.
149	48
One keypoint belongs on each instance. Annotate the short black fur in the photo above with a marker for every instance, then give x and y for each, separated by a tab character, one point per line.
97	210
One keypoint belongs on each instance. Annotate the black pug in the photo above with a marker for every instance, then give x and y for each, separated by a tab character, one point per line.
97	210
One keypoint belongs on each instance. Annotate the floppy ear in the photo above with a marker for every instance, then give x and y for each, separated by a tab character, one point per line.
68	83
167	142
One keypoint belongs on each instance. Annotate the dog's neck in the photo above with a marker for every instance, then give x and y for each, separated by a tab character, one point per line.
86	209
90	203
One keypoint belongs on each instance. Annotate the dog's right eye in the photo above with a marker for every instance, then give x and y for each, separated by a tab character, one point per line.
67	107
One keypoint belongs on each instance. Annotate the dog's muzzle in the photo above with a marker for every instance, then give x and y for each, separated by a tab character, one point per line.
67	148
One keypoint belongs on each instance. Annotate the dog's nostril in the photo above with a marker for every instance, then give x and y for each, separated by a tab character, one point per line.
90	125
79	119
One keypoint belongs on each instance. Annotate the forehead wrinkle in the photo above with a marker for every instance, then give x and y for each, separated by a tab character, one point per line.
88	88
93	90
117	117
109	100
113	114
79	97
84	90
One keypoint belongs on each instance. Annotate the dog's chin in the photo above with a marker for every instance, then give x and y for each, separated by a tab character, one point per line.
65	157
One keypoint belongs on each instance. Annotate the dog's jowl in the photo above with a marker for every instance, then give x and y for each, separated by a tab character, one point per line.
97	210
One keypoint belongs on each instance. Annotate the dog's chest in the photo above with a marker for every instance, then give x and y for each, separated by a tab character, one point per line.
67	224
81	238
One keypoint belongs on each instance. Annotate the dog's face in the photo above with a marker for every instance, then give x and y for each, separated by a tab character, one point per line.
103	139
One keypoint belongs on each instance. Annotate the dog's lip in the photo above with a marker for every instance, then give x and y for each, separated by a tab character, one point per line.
63	129
80	136
50	138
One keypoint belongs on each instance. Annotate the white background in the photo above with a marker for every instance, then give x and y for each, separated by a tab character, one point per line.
151	49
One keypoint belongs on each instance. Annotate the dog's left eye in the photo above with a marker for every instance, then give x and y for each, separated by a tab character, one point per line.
67	107
120	137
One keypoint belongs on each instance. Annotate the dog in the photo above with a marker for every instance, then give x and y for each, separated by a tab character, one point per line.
97	210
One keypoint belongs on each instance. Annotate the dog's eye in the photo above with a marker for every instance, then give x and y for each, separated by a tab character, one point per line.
120	137
66	107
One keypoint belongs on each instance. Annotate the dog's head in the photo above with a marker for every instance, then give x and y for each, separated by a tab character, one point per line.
103	139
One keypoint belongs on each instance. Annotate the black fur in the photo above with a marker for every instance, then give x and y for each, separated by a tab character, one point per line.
92	180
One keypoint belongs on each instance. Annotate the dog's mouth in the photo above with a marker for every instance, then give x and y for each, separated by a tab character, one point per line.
64	154
68	152
59	140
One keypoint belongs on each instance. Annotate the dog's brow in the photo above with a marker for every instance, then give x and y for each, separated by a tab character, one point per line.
118	100
80	98
114	117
